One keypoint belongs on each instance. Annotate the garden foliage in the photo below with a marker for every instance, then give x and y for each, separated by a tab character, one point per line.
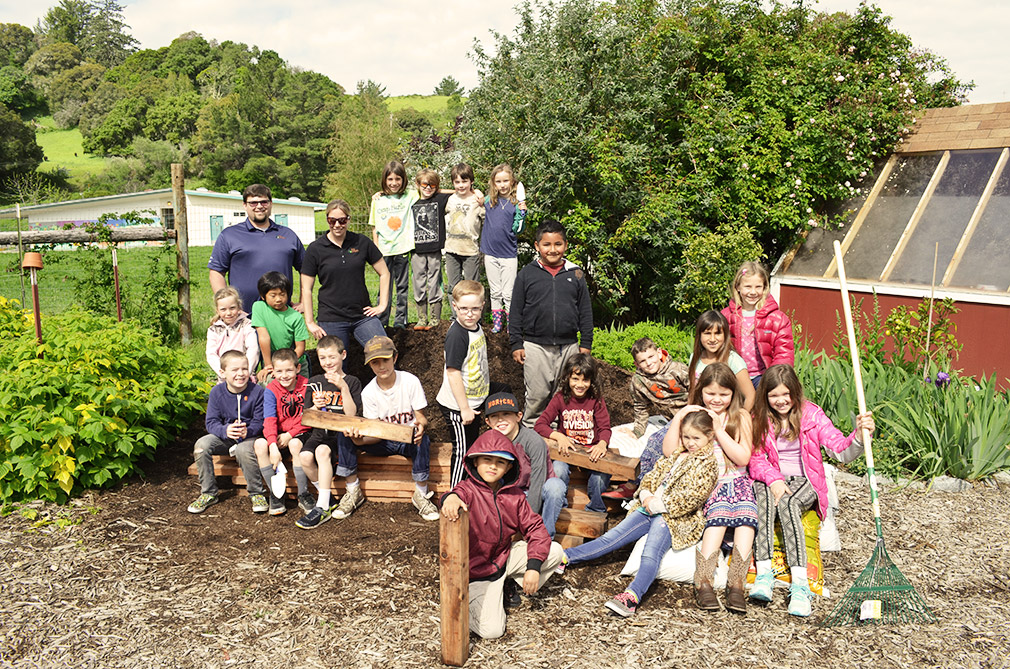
644	125
82	410
613	344
926	426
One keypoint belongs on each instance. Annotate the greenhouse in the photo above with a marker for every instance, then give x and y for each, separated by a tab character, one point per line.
935	221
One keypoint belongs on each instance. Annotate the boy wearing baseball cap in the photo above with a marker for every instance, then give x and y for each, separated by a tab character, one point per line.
498	509
393	396
501	413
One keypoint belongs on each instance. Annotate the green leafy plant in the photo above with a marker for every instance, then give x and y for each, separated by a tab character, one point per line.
952	425
919	340
83	409
613	344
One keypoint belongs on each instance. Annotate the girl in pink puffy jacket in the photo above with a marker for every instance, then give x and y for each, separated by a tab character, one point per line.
761	333
788	474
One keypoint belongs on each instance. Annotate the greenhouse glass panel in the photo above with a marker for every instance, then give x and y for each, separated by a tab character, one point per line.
986	261
880	232
946	216
816	253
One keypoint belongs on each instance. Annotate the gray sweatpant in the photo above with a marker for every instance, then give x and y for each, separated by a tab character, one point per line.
427	271
540	373
210	445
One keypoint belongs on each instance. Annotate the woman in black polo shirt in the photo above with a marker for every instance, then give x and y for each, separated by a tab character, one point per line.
338	258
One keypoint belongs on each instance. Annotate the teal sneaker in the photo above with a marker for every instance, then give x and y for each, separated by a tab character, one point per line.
761	589
800	600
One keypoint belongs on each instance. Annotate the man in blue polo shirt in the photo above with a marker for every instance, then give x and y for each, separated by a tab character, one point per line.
247	251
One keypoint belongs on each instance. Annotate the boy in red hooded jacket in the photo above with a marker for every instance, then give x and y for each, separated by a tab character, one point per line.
498	508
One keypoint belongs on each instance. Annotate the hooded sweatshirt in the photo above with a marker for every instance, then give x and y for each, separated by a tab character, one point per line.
495	516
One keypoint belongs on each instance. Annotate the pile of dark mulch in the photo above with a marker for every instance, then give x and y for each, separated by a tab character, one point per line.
422	354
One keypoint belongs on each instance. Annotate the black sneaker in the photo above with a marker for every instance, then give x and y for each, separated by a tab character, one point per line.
277	507
510	595
306	502
314	518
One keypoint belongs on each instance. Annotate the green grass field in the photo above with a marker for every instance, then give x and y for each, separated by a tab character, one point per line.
62	148
433	104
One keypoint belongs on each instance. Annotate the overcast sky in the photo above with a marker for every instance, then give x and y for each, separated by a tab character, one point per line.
408	47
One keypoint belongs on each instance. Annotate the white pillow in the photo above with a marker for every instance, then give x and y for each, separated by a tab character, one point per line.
675	566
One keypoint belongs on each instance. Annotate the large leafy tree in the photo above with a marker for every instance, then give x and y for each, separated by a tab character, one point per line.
365	138
96	27
19	152
273	128
646	126
17	44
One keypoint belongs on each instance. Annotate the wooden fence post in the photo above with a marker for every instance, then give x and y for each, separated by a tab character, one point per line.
454	584
182	248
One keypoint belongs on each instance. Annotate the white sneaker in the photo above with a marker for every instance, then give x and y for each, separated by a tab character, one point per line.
424	505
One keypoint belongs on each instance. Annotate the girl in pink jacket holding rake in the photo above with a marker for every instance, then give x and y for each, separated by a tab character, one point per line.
789	478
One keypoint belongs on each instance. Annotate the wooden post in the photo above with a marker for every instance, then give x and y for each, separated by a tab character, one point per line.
182	250
454	584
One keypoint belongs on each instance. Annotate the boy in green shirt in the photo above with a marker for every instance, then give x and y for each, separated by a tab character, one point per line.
277	324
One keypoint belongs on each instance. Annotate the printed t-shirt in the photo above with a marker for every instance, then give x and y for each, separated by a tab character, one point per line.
396	405
463	222
465	350
319	385
429	223
393	221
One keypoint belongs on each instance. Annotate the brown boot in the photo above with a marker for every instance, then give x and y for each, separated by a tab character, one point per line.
704	572
736	598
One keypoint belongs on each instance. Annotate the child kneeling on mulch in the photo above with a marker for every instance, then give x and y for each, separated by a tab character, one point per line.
498	508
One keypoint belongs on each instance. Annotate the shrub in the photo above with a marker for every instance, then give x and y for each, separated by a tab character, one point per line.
613	345
84	408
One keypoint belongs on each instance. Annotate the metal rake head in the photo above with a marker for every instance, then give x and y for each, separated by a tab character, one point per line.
881	595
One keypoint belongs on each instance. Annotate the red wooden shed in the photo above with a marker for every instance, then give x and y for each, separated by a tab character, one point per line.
945	192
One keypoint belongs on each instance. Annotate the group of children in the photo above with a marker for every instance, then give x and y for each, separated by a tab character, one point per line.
737	453
415	227
737	448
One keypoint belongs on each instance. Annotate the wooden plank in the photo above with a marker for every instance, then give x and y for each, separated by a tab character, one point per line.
368	427
568	541
454	588
581	523
612	463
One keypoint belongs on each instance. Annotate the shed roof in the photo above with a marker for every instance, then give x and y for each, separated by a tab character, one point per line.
984	126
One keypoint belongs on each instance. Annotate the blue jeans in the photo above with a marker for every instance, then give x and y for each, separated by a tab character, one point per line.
630	530
556	493
363	329
420	454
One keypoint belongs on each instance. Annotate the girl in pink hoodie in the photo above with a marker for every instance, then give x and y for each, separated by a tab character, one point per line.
788	474
230	330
